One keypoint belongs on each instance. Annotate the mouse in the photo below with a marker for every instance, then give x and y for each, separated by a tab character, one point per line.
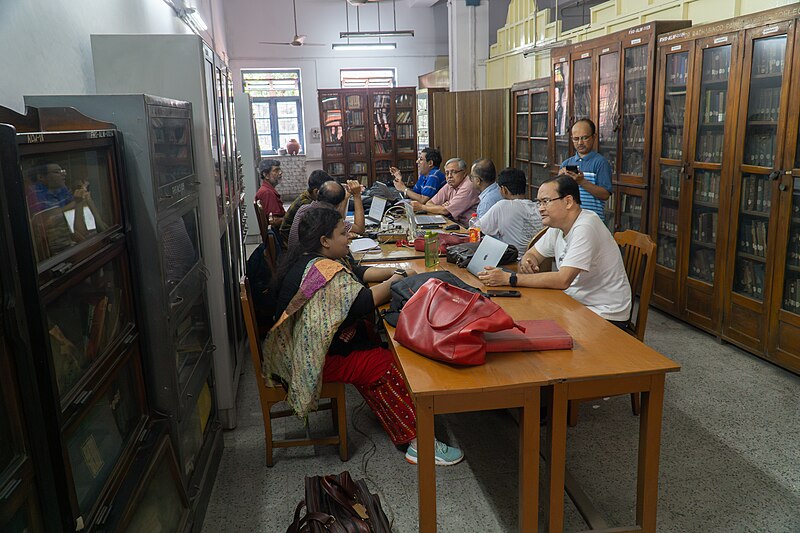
452	227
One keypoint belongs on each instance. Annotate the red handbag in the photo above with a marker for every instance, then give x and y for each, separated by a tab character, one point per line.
447	323
445	240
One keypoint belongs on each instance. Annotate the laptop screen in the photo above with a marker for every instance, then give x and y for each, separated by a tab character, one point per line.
376	208
489	253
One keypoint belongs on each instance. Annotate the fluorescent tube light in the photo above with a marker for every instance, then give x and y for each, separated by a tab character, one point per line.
193	18
379	33
364	46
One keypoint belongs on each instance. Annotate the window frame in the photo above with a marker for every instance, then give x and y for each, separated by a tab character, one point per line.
367	85
274	117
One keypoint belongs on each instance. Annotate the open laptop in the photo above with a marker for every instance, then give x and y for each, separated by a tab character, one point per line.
412	221
390	193
421	220
489	253
376	210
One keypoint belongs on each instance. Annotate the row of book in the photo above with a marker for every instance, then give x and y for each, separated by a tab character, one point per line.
539	102
355	118
753	237
335	169
403	100
674	109
405	131
539	151
356	149
701	264
706	187
769	57
668	219
793	251
636	62
759	150
756	193
635	96
333	134
407	146
405	116
633	131
714	105
791	299
716	64
610	155
406	164
539	126
354	101
704	227
583	102
665	252
333	118
380	118
677	69
383	147
358	167
749	278
670	182
710	146
764	105
381	100
632	162
672	144
522	149
522	127
357	135
330	102
631	205
522	103
382	132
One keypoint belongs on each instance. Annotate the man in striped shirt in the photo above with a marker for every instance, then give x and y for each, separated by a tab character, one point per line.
593	173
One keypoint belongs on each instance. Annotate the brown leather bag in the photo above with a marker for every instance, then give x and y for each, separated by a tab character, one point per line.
337	504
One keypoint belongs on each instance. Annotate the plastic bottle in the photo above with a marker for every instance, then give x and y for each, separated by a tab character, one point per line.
431	249
474	228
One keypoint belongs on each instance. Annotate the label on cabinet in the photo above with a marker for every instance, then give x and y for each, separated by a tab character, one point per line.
767	31
720	40
636	41
676	47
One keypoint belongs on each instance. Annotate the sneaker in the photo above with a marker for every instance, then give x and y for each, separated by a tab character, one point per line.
445	455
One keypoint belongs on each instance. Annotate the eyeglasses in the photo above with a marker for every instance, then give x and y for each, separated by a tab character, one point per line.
454	172
544	202
59	171
582	138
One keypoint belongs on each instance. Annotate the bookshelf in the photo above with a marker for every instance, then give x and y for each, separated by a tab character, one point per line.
530	125
367	131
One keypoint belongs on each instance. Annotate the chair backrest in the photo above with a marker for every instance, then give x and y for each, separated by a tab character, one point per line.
261	217
252	331
638	256
547	264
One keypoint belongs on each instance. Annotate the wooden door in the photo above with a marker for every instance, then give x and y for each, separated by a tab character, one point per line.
762	124
494	109
669	165
714	99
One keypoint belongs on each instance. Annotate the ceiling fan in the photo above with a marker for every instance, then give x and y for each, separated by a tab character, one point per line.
298	40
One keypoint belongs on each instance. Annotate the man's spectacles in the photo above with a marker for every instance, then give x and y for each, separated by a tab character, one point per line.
454	172
582	138
544	202
59	171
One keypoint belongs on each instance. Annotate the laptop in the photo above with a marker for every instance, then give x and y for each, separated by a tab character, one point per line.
412	221
390	193
420	220
489	253
376	209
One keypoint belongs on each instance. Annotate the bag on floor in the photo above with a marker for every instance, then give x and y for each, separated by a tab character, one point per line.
337	504
405	288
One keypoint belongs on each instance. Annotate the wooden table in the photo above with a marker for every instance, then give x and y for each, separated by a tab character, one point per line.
604	361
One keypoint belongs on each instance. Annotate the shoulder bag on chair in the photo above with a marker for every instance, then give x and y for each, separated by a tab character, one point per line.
447	323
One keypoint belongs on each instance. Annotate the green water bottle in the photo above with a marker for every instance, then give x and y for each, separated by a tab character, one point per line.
431	249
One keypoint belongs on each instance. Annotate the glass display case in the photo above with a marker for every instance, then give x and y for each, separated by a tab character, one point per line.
530	121
608	111
332	121
635	101
357	133
561	102
582	87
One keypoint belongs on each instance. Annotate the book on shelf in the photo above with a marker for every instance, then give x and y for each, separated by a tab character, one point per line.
354	101
96	326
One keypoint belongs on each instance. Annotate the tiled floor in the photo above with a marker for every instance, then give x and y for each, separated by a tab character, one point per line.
730	458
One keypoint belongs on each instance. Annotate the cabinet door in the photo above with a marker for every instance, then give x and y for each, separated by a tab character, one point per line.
521	128
632	203
581	87
224	134
669	169
261	116
711	109
356	134
762	125
561	122
634	113
332	121
540	138
405	108
383	131
608	109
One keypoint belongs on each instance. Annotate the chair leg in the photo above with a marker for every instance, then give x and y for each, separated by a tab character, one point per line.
636	403
268	433
572	413
340	419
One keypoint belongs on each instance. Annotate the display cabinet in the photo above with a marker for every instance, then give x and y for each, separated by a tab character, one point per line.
425	122
368	131
135	63
530	123
610	81
72	247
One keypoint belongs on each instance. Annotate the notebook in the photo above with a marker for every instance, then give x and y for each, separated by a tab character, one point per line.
364	244
489	253
538	335
376	209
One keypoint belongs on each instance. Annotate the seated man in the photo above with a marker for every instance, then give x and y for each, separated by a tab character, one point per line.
483	177
589	262
515	219
430	180
270	172
332	195
315	180
458	199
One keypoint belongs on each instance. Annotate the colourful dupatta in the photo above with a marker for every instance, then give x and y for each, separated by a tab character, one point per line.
297	344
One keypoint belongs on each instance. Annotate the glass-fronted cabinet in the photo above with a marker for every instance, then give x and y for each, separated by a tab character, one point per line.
635	102
561	109
405	120
357	134
530	120
608	109
582	76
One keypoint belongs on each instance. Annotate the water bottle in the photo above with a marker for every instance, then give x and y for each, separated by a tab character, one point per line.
431	249
474	229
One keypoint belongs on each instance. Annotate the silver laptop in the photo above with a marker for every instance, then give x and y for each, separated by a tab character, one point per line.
387	192
489	253
376	209
412	221
430	219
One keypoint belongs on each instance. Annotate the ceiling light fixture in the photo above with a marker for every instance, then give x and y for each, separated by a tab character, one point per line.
384	33
364	46
191	17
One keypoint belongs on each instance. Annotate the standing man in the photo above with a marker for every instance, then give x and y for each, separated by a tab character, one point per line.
458	199
271	174
483	176
430	180
593	173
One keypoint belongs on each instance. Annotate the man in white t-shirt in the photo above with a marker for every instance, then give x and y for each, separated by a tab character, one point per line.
589	262
515	219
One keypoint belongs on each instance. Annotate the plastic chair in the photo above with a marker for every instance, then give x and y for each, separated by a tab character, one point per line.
271	395
638	256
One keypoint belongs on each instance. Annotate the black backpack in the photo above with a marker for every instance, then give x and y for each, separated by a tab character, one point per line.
405	288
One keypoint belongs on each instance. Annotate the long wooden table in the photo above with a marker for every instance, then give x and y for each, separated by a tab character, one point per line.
604	361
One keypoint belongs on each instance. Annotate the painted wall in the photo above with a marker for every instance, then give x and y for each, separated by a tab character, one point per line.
46	42
251	21
526	26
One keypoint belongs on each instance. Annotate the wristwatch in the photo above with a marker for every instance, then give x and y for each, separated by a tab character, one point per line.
512	280
401	272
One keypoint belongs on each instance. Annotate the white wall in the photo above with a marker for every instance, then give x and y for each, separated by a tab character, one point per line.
46	42
251	21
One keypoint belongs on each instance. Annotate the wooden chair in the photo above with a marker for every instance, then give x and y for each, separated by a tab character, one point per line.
638	256
547	264
271	395
261	218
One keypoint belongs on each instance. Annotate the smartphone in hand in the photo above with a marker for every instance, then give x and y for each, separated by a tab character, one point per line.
572	168
503	294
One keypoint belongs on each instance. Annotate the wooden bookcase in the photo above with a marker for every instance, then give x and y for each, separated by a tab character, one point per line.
531	149
610	80
426	126
367	131
727	165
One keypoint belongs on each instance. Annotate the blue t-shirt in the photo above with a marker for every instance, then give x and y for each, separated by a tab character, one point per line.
597	170
429	184
488	197
44	198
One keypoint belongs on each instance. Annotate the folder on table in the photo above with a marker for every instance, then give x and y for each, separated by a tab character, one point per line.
538	335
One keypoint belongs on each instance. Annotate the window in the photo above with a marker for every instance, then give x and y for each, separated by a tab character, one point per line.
277	110
367	77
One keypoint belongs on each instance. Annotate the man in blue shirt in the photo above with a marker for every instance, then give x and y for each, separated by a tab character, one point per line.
431	179
593	173
483	176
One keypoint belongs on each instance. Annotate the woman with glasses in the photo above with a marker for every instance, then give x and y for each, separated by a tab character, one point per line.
589	169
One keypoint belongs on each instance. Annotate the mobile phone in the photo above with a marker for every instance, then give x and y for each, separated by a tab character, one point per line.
571	168
503	294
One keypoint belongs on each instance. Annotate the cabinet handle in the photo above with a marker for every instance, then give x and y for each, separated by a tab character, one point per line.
10	488
775	174
782	186
177	301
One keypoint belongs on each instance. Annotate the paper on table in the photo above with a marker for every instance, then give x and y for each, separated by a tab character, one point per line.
362	245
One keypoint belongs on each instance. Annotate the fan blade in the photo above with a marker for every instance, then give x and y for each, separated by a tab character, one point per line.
266	42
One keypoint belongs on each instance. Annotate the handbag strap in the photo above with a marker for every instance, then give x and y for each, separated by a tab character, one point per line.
344	494
464	311
303	525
